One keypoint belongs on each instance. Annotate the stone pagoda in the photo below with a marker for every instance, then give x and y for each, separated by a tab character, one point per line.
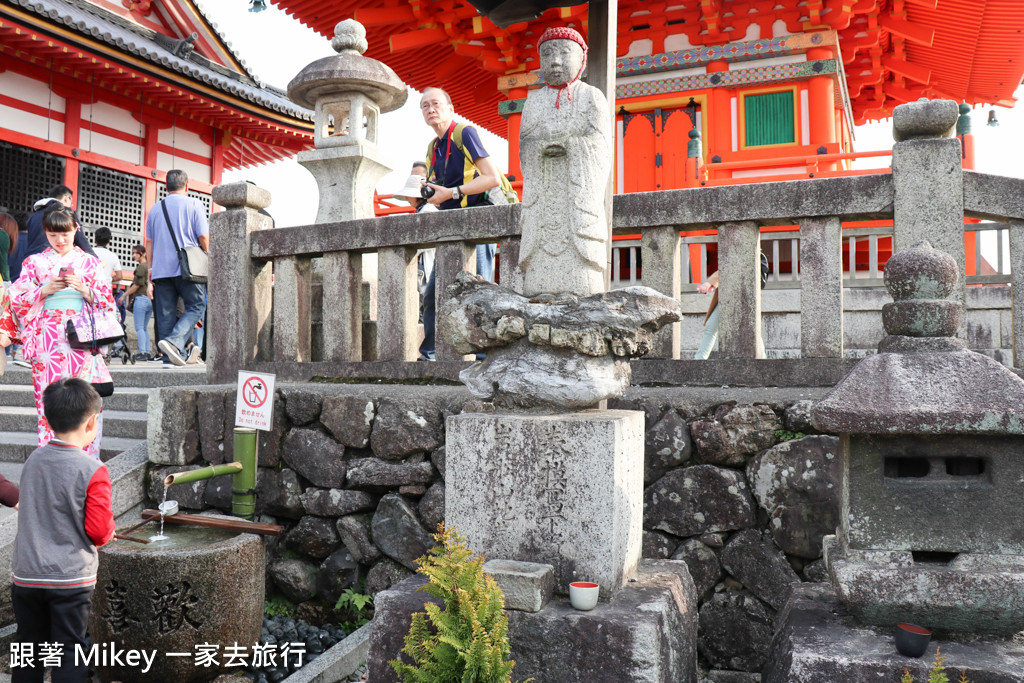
930	532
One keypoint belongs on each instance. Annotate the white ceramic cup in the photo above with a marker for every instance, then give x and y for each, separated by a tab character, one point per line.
583	595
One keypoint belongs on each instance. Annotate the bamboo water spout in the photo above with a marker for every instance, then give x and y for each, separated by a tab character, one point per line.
243	486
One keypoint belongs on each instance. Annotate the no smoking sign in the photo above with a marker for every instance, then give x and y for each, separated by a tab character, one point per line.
254	405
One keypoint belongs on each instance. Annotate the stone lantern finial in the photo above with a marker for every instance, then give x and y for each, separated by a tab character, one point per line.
349	36
920	280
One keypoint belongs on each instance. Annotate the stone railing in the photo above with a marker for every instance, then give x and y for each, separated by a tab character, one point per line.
245	299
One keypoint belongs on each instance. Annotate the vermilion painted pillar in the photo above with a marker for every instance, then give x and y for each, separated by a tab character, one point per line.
514	123
719	122
822	106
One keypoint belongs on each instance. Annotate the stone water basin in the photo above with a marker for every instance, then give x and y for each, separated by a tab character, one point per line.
200	591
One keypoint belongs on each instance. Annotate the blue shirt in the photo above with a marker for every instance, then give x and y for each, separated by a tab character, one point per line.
450	164
188	219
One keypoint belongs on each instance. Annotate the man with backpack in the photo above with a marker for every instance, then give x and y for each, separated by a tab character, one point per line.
462	175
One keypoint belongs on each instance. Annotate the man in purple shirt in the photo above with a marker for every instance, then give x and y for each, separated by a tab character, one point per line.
166	285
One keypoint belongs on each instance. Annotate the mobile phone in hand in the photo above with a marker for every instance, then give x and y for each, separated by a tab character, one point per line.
65	270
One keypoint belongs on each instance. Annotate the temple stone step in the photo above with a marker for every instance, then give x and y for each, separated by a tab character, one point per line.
116	423
140	375
15	447
124	398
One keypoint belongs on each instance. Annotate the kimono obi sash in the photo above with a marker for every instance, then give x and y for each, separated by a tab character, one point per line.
65	299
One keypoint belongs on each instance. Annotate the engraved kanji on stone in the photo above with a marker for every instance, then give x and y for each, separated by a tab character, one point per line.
174	606
117	612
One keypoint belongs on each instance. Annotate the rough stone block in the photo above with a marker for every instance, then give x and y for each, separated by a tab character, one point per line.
527	585
349	419
172	431
564	489
797	483
973	593
315	456
646	633
695	500
817	640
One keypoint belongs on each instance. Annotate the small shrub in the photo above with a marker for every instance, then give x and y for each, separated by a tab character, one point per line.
466	641
938	672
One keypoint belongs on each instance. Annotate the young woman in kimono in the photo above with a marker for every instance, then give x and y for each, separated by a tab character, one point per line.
53	287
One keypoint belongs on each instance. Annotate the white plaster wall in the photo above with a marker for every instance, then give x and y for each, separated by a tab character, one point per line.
111	147
30	90
185	140
200	172
31	124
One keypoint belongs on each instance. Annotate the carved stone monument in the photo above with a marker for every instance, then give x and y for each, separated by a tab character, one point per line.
538	477
347	92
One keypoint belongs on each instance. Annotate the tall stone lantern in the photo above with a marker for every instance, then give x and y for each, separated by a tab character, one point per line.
348	92
932	447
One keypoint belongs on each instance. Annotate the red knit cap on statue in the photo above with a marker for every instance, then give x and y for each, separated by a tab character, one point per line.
565	33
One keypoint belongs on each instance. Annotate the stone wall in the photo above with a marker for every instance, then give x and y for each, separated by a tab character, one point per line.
357	472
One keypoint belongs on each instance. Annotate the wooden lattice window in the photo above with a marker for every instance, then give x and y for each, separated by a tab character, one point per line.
27	176
161	192
769	119
114	200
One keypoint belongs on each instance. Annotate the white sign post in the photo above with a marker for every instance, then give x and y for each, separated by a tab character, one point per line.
254	404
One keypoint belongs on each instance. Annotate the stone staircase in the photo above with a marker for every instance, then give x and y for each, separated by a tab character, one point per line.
124	413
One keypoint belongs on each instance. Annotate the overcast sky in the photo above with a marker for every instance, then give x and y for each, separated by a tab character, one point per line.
276	47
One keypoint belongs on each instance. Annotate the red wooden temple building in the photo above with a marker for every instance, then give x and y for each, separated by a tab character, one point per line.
773	87
106	96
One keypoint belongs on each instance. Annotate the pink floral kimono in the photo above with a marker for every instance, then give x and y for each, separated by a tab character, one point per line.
7	323
44	340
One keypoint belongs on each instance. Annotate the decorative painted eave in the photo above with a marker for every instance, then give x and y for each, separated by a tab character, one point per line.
91	20
966	50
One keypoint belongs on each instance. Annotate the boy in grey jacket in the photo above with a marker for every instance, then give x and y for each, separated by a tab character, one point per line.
64	513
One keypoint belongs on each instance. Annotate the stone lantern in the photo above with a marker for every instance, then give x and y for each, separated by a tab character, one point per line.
348	92
932	443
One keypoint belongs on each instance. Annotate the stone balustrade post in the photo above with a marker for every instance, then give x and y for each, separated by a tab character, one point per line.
660	250
397	304
739	290
451	258
821	287
927	176
293	315
343	306
509	272
239	289
1017	289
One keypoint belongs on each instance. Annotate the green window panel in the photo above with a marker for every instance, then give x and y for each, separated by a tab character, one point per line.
769	118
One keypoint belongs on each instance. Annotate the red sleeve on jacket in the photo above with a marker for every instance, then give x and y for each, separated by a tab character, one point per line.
8	492
99	516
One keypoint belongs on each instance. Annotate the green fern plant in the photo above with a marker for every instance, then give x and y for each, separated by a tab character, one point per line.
466	641
907	677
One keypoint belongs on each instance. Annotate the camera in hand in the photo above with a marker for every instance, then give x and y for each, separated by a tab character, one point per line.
427	191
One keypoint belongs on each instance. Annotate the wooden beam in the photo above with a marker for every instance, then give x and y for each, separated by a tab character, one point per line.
907	70
915	33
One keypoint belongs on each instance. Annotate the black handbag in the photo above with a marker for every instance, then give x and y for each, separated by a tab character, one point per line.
194	262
